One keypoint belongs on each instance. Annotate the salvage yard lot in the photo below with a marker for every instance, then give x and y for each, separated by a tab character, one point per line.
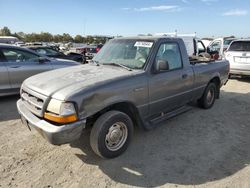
198	148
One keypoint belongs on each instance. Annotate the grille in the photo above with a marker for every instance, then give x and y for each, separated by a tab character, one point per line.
34	102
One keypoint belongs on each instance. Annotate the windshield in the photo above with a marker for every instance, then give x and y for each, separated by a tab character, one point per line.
127	52
240	46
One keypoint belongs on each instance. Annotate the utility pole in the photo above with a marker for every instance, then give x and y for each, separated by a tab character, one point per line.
84	27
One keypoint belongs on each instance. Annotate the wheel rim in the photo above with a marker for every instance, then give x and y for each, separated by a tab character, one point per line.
116	136
210	96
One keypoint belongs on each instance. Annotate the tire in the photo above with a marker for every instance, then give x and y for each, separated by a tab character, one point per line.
207	101
112	123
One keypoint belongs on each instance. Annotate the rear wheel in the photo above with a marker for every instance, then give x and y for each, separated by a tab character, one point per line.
208	98
111	134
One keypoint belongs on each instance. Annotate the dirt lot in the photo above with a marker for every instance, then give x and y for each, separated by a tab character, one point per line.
201	148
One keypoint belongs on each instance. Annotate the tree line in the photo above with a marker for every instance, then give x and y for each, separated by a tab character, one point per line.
48	37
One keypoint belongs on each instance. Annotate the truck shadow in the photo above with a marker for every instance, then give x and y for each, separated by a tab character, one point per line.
194	148
241	79
8	109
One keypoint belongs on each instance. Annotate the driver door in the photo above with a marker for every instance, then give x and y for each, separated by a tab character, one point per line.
22	64
169	90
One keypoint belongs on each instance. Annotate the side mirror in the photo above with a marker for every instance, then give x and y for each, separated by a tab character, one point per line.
42	60
161	65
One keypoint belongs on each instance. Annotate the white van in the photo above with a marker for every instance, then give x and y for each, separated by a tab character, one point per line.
8	39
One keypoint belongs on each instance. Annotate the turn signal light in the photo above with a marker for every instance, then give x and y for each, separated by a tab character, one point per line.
60	119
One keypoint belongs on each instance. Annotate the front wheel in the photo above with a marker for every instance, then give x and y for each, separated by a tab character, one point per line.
111	134
208	98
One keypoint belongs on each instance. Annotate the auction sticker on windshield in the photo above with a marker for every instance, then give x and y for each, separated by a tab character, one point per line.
143	44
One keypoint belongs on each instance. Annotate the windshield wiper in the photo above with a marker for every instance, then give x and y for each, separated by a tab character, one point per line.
119	65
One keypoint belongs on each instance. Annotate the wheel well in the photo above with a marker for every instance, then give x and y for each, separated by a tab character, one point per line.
217	82
125	107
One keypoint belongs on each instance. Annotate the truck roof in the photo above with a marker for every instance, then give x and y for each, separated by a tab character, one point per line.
152	38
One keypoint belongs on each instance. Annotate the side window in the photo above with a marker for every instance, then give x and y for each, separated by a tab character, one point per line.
14	55
170	53
41	51
50	51
215	46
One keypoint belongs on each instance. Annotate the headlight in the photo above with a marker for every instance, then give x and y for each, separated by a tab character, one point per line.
67	109
60	112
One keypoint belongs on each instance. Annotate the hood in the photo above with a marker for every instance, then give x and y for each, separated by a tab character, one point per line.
61	83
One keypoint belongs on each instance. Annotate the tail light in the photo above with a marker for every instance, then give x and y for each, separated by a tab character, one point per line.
97	50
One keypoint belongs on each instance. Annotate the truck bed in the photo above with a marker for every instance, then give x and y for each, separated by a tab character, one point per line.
205	70
195	60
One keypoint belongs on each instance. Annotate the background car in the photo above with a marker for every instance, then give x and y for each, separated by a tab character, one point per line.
238	55
20	43
17	64
219	45
89	51
52	52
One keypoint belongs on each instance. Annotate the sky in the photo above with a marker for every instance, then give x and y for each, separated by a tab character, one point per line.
127	17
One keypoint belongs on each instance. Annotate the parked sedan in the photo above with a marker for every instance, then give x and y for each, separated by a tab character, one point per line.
52	52
17	64
238	55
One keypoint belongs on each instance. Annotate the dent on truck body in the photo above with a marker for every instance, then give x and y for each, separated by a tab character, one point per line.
123	90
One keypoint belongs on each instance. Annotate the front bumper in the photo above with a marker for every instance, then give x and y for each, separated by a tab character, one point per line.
54	134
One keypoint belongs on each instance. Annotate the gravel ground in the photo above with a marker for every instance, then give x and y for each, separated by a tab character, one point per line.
201	148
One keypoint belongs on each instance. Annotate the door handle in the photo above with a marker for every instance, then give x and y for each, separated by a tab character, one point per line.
139	89
184	76
17	66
